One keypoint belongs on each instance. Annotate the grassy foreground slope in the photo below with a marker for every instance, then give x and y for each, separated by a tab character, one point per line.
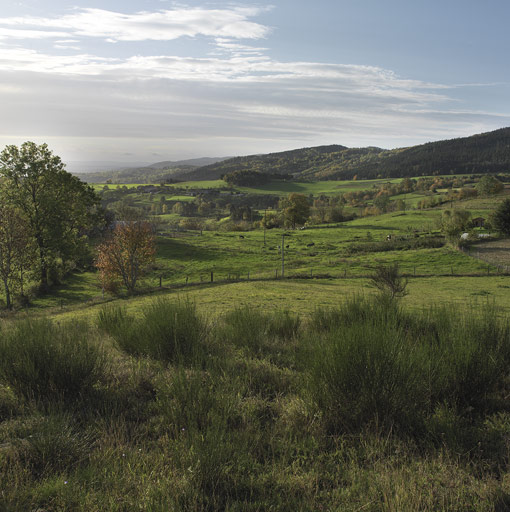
363	407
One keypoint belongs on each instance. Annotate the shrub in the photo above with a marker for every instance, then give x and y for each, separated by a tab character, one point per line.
42	360
389	281
171	330
364	374
283	324
378	365
245	327
112	319
168	330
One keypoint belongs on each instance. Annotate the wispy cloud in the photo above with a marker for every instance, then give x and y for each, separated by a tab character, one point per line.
164	25
221	102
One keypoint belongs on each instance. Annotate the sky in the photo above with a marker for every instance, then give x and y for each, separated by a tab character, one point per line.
151	80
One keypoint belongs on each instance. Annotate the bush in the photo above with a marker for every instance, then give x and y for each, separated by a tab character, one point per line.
283	324
389	281
245	327
364	374
43	360
377	365
168	331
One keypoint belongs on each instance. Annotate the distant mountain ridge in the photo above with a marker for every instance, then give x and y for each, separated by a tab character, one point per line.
483	153
152	173
193	162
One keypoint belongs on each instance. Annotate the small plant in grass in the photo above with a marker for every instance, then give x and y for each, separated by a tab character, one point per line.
42	360
389	281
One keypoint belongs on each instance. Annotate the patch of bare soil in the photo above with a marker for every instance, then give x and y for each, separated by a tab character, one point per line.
496	252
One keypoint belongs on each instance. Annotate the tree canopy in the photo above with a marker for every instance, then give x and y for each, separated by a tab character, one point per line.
58	207
501	217
125	254
296	209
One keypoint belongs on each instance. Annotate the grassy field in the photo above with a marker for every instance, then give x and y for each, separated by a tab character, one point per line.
347	250
301	296
252	392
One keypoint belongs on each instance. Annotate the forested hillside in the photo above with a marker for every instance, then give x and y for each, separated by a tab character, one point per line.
296	161
484	153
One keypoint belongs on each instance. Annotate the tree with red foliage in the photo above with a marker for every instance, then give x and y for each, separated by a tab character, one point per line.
125	254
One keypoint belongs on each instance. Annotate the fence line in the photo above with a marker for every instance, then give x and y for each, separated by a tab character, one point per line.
217	278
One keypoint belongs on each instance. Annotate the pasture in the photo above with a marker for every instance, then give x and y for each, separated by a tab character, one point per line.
221	385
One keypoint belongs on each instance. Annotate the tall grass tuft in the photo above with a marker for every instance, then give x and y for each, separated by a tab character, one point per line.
364	374
42	360
52	445
378	365
255	330
283	324
245	327
168	331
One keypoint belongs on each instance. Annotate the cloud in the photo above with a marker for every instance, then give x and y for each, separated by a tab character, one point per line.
164	25
8	33
233	98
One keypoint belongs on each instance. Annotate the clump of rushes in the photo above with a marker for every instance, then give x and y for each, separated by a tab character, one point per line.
380	366
254	330
169	331
43	360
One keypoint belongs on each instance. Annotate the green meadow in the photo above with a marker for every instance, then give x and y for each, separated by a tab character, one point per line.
222	384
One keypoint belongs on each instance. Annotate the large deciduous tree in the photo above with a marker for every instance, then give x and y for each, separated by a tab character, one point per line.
59	208
489	185
501	217
296	209
16	250
126	253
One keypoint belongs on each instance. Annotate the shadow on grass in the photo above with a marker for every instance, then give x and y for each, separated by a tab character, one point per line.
176	249
357	227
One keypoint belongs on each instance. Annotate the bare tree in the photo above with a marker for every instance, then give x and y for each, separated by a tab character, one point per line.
126	253
389	281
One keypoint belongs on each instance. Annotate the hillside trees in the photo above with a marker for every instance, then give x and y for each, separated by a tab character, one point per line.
453	222
125	254
57	206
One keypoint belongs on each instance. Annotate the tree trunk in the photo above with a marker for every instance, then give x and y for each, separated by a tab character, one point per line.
7	295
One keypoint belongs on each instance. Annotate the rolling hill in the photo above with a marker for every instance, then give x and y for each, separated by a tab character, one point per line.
483	153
